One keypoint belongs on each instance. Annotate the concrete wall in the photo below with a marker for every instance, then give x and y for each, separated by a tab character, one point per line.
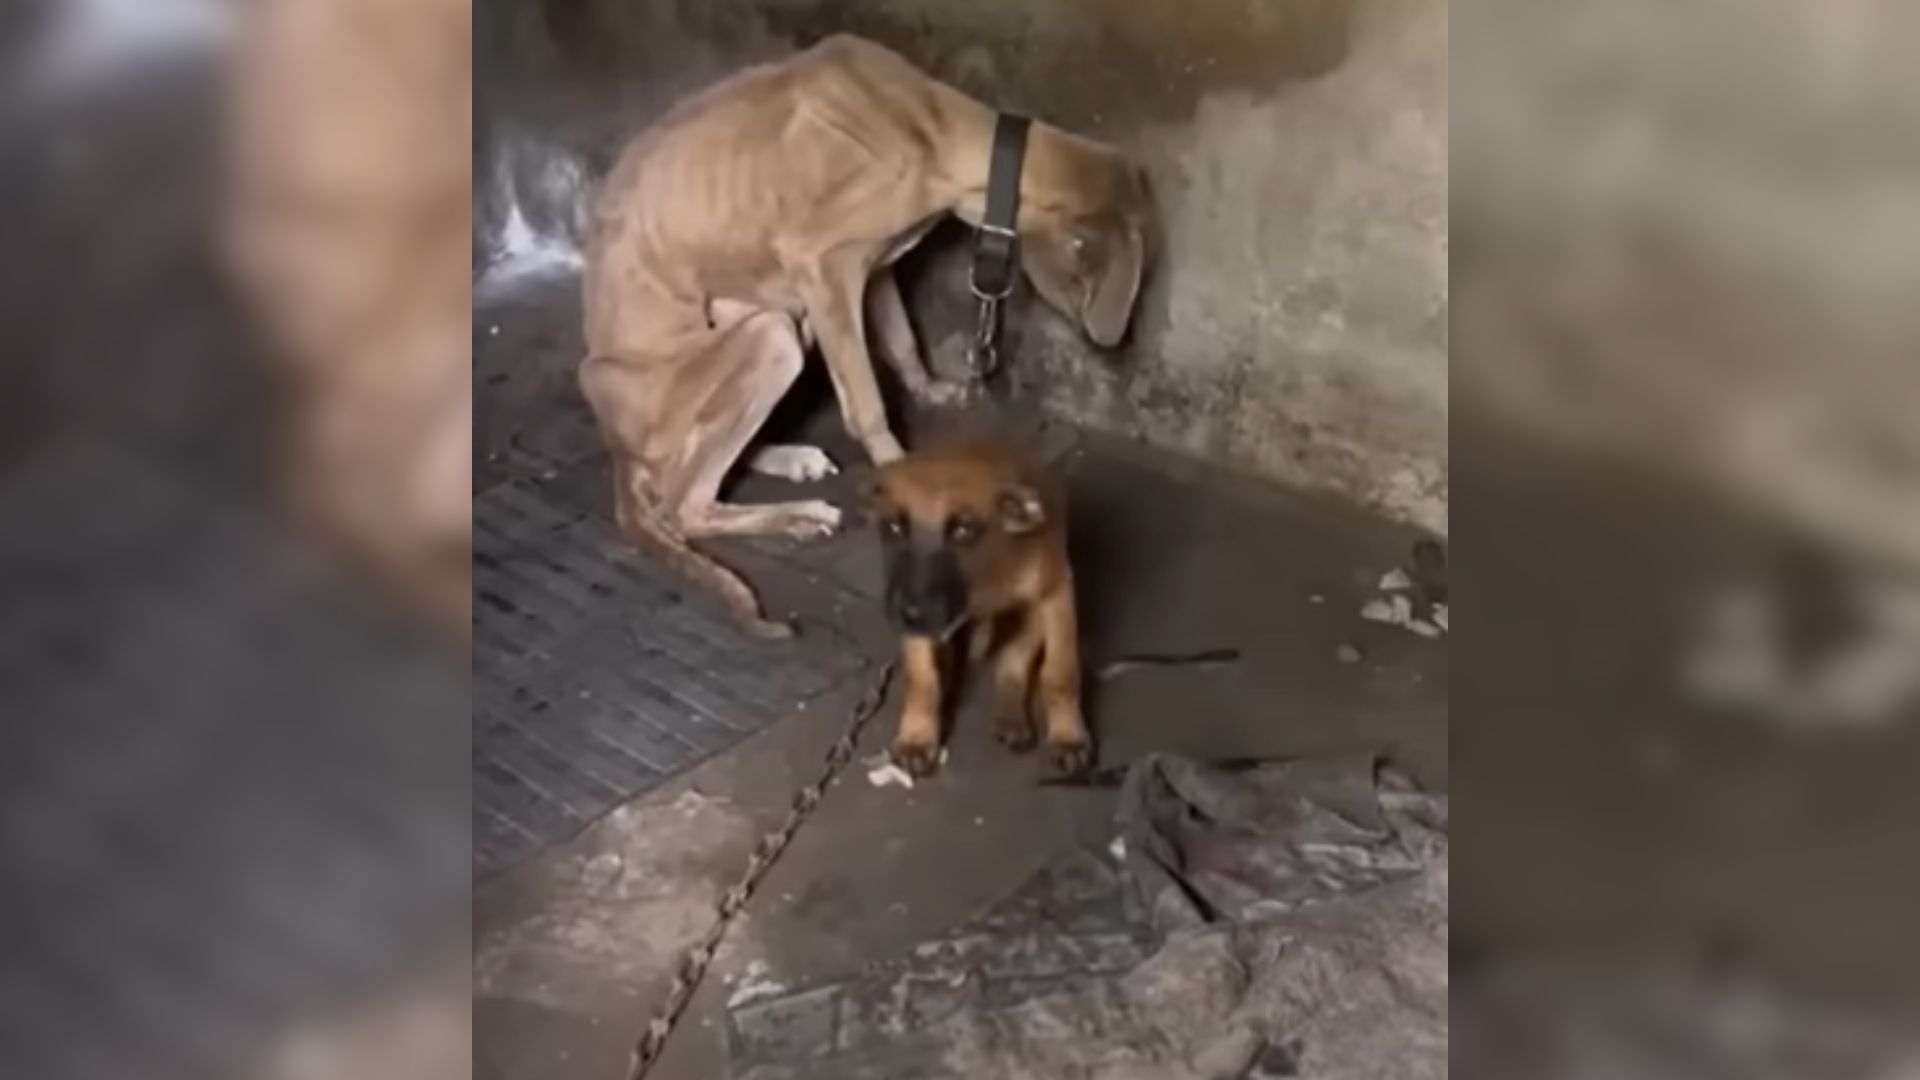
1295	323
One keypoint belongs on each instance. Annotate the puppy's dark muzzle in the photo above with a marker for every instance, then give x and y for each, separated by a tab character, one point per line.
925	595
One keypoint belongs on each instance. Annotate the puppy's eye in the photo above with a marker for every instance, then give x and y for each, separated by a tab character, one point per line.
963	530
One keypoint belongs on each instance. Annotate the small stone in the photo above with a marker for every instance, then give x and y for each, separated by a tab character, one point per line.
1378	611
1423	628
1347	653
1316	598
1395	578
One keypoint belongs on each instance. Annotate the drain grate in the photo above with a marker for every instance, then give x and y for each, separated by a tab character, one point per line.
598	674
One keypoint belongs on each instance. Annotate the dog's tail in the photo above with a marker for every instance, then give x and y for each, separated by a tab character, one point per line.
666	543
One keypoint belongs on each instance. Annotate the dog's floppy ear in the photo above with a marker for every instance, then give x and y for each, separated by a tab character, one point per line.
1021	510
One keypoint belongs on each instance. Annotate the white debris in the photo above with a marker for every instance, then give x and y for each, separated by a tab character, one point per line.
1395	608
1741	660
1316	598
1118	849
1347	654
754	985
890	773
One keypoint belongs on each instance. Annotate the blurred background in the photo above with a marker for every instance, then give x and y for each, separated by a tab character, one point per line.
233	820
1686	365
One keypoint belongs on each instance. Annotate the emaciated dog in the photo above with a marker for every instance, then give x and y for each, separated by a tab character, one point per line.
762	215
973	537
350	228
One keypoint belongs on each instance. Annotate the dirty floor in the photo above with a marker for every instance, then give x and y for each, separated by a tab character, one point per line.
574	945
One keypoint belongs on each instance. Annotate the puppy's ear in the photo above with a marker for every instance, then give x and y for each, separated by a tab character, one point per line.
1021	511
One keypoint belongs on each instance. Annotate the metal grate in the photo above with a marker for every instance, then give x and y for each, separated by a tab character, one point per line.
598	675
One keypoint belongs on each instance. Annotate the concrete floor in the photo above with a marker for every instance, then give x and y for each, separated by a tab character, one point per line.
574	949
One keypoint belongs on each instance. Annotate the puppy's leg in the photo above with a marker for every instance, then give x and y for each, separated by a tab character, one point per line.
916	745
888	314
1013	684
832	293
1068	743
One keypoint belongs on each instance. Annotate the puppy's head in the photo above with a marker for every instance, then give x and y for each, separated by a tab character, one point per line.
958	528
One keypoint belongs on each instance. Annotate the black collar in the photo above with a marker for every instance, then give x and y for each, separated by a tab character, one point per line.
993	250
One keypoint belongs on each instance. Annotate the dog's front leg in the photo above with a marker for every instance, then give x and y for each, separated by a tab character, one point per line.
916	745
832	292
1068	743
887	311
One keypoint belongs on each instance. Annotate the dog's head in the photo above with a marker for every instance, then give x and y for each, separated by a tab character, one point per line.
958	525
1085	247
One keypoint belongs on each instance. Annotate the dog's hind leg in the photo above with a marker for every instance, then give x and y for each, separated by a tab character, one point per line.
673	424
751	366
679	423
1013	680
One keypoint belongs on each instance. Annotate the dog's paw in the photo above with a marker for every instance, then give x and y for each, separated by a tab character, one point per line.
810	520
770	629
1015	733
944	393
1070	755
921	759
801	464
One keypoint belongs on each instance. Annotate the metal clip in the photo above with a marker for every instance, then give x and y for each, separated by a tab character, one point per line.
984	358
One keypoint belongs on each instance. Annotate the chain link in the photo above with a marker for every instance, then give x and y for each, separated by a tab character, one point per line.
693	965
983	359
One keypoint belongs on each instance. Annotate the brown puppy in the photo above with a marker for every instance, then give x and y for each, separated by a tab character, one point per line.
971	535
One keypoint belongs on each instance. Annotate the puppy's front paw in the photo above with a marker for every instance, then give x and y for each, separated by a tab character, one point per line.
1071	755
921	758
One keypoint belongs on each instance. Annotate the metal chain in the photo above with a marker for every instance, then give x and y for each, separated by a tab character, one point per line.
983	358
693	965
